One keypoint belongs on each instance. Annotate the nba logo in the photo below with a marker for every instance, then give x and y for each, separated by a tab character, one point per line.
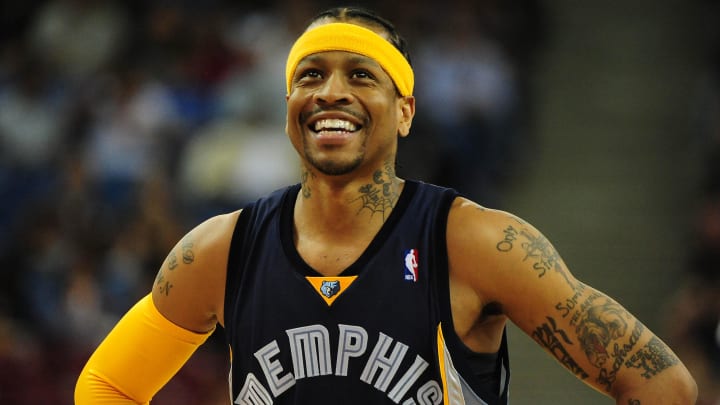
411	265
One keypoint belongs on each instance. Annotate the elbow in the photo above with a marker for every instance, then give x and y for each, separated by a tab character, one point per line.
689	388
684	386
684	389
674	386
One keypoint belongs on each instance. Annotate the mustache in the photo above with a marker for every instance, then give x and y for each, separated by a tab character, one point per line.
305	116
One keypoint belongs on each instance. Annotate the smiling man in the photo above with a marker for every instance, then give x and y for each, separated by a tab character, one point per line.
356	286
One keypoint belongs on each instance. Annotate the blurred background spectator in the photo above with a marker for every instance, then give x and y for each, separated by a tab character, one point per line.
125	123
695	316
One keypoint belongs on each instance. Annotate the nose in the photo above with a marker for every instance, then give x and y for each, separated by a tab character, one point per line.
334	90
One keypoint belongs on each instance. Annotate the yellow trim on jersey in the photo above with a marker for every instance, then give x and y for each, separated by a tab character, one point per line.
441	362
452	388
322	286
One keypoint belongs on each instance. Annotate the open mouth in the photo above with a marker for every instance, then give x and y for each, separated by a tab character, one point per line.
333	126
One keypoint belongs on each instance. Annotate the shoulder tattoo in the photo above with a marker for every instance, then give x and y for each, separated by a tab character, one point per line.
536	248
187	257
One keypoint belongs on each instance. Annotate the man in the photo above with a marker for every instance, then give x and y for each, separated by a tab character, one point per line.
358	287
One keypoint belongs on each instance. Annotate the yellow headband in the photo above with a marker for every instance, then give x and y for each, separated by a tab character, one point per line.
356	39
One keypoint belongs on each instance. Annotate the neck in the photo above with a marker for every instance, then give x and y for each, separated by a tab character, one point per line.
357	203
335	219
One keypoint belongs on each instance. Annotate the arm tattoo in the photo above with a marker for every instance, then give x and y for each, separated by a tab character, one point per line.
380	196
602	330
547	336
571	303
162	284
652	359
188	256
171	260
541	251
506	244
607	377
599	326
187	253
537	248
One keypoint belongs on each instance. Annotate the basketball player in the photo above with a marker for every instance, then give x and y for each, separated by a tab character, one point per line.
358	287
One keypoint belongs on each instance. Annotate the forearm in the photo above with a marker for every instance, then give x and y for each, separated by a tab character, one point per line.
136	359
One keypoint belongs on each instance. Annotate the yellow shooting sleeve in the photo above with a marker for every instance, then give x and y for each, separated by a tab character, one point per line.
136	359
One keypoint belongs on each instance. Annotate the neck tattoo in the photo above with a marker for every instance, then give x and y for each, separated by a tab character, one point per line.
380	196
304	186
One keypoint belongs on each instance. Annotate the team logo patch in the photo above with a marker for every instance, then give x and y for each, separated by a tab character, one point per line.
411	265
330	288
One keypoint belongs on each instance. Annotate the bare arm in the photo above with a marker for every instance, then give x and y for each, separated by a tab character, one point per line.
190	285
509	264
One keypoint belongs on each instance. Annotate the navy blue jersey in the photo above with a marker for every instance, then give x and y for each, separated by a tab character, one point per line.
380	332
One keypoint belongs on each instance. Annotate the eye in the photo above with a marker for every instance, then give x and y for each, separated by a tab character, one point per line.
308	74
361	74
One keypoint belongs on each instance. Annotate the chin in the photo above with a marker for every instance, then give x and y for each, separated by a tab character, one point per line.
335	168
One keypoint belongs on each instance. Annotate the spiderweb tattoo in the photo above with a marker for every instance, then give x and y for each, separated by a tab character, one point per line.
379	197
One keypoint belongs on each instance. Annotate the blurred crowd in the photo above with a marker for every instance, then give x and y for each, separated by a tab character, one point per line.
125	123
694	321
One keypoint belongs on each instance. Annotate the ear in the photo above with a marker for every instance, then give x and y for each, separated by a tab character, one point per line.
407	112
287	97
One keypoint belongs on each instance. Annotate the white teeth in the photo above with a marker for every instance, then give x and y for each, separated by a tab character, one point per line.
334	124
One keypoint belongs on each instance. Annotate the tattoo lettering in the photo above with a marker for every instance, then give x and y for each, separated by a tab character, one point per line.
187	253
537	248
602	327
163	285
380	196
506	244
652	359
547	336
589	301
607	377
172	260
188	256
566	307
545	256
